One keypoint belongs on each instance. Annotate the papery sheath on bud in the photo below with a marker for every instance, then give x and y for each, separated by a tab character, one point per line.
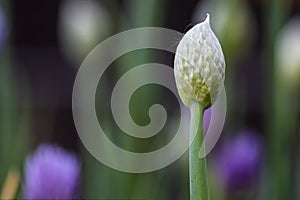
199	65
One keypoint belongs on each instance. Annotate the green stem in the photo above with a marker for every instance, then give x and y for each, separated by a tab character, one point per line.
279	141
198	172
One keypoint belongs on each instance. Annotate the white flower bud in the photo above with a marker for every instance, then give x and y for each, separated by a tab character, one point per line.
199	65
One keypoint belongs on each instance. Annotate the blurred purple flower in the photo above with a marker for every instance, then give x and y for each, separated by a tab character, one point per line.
51	173
206	119
239	161
3	29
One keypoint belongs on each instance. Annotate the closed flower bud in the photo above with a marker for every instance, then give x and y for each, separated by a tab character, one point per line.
199	65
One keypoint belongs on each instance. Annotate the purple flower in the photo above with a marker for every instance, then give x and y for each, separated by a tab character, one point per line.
240	160
206	119
3	29
51	173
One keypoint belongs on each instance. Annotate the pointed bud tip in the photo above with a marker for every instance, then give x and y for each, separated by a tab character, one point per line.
207	19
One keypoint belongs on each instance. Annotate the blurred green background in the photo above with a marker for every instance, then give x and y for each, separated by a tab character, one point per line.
42	44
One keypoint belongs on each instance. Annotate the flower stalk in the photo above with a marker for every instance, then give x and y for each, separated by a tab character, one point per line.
199	70
198	171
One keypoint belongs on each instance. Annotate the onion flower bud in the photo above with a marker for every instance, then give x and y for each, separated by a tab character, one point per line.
199	65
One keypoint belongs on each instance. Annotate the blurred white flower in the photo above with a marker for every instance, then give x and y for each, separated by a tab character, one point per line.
287	53
82	25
